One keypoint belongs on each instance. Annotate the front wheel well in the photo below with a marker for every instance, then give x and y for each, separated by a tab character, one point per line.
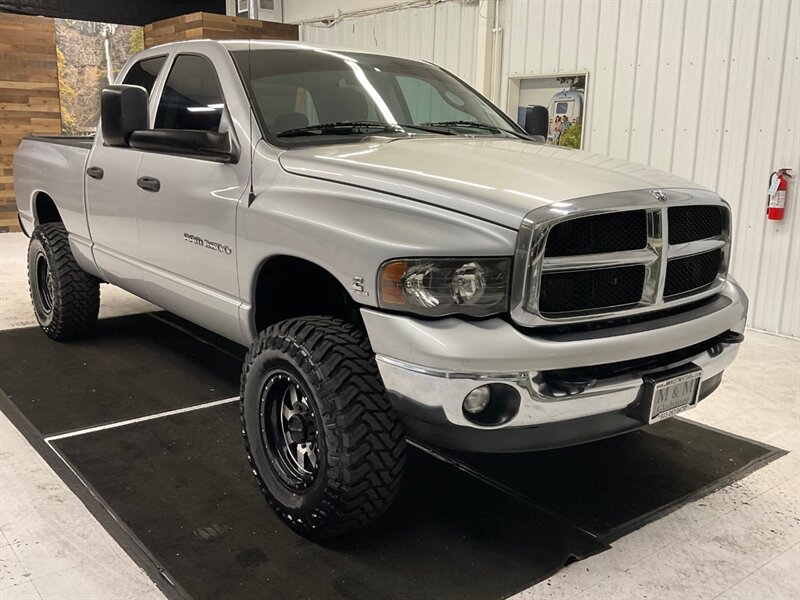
45	210
288	287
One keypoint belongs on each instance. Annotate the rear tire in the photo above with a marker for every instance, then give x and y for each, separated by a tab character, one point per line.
322	437
66	299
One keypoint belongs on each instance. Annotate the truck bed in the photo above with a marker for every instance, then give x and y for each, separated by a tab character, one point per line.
52	166
77	141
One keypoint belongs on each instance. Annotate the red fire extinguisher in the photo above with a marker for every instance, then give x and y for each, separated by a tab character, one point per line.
776	196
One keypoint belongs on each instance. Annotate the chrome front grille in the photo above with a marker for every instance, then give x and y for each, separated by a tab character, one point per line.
575	291
691	223
618	254
691	273
608	232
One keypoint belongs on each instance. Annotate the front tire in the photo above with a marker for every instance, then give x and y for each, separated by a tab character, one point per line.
322	437
65	298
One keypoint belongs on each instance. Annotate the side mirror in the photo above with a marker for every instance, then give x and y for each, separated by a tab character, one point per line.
123	110
537	120
212	145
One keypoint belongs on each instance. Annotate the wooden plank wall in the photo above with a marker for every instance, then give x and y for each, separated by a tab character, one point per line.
200	25
28	95
29	77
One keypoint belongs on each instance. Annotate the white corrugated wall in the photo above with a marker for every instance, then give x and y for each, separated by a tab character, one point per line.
443	33
706	89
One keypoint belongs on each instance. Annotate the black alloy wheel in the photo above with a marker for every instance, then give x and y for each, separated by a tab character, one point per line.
322	436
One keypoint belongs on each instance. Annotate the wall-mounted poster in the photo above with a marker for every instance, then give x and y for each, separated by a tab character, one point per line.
89	56
552	106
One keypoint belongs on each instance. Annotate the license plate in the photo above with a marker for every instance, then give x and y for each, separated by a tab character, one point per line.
673	395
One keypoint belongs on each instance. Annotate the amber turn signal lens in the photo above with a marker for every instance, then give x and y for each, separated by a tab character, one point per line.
392	282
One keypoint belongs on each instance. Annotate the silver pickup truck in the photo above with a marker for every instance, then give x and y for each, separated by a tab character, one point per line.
400	257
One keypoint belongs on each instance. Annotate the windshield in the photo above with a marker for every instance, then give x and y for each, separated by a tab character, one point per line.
304	97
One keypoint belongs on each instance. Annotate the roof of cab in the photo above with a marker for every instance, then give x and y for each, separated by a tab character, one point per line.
245	44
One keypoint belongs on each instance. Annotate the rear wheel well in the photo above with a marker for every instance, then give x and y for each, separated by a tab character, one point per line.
45	210
289	287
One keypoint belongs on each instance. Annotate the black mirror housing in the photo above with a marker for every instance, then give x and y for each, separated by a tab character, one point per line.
123	110
211	145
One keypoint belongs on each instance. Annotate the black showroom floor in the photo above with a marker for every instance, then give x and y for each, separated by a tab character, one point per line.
188	505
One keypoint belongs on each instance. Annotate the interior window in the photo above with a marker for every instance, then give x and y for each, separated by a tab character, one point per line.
290	105
145	72
427	105
192	97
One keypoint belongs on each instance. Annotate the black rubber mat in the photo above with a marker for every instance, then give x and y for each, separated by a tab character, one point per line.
130	367
616	485
183	485
468	526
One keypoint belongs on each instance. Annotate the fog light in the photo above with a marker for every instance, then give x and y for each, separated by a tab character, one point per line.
492	404
477	400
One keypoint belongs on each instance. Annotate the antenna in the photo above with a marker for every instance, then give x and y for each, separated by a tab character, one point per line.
251	13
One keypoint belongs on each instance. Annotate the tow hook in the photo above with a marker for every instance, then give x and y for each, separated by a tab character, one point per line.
731	337
727	338
576	383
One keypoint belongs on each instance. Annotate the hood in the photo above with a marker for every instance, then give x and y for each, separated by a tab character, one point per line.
495	179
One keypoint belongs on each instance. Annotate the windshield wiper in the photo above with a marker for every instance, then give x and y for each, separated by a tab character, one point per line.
349	127
340	127
476	125
429	128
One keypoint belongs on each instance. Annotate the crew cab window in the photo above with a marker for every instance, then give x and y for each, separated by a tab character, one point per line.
145	72
192	97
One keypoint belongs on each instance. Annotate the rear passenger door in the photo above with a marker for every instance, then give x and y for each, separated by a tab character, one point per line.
187	227
111	194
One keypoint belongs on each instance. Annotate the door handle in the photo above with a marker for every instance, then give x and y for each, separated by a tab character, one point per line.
151	184
95	172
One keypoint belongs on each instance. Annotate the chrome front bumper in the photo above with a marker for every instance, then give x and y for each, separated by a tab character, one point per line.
428	367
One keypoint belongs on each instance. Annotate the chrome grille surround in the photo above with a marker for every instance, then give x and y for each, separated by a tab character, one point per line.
530	262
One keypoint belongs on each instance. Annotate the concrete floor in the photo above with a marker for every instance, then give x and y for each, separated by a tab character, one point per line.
742	541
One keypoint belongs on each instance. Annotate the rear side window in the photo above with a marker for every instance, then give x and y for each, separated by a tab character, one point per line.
145	72
192	97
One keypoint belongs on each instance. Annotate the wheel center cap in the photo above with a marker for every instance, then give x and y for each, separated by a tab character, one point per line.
298	429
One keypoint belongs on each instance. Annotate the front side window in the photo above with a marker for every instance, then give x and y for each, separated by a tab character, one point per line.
145	72
192	97
304	97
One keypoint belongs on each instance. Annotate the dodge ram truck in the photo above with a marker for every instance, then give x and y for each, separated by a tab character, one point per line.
401	258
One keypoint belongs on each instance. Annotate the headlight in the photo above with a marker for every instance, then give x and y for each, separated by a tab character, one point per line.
444	286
